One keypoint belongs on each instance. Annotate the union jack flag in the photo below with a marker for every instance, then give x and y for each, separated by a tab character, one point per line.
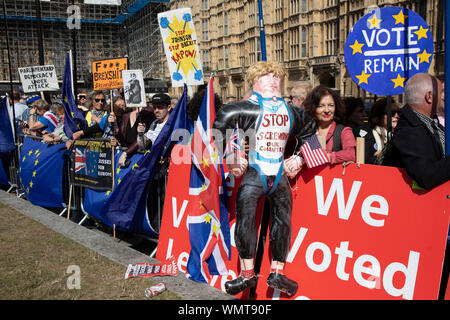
234	142
209	229
51	117
80	161
313	153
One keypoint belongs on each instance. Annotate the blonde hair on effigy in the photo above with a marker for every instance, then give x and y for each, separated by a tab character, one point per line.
262	68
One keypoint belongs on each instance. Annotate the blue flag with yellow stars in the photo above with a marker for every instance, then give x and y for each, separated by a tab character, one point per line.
94	200
3	176
41	172
386	47
127	204
73	118
6	132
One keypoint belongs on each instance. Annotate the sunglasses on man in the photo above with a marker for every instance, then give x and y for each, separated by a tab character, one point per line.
100	100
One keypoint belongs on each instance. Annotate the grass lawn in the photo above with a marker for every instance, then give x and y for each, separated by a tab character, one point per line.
37	263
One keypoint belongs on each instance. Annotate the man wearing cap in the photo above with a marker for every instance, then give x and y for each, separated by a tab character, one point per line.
161	108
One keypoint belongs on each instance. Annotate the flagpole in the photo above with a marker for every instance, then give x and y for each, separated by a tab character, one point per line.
10	72
262	36
71	73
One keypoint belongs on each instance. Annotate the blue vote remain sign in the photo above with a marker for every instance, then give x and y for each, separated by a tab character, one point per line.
386	47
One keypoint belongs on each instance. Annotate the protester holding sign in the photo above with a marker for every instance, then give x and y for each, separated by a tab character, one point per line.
97	104
418	143
325	107
265	172
161	107
127	130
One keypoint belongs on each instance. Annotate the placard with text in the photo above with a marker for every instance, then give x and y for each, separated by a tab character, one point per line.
358	233
92	164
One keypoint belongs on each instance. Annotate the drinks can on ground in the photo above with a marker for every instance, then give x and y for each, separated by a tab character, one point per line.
155	290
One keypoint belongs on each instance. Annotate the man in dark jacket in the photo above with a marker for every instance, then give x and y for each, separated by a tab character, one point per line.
418	143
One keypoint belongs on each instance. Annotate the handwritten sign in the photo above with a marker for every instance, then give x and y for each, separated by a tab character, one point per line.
180	45
107	74
38	78
386	47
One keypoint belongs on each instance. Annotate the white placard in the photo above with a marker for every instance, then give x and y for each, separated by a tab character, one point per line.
134	89
180	46
39	78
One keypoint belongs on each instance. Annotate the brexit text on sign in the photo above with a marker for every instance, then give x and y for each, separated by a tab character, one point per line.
353	235
107	74
386	47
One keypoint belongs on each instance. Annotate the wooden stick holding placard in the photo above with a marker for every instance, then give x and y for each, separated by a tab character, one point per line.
112	147
360	152
70	201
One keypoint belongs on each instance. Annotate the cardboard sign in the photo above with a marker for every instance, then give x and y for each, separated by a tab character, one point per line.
39	78
354	236
134	89
107	74
92	164
386	47
180	45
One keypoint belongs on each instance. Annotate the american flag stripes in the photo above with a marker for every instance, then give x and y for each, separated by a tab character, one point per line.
313	153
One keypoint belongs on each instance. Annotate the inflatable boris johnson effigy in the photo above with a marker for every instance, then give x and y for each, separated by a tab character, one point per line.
353	235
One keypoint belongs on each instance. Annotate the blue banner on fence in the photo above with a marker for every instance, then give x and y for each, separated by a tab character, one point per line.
3	176
41	168
94	200
6	132
124	207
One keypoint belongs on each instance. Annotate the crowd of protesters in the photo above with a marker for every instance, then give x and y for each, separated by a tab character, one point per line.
340	121
414	139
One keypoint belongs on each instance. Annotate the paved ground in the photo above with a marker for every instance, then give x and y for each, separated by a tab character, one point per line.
119	252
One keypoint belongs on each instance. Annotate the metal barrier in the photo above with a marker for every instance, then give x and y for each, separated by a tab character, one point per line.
76	195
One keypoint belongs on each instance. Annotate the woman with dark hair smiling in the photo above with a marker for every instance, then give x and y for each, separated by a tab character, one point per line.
326	108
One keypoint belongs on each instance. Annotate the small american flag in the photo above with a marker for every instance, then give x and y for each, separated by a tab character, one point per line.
233	144
313	153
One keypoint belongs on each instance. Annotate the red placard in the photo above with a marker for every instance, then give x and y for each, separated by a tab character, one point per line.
358	233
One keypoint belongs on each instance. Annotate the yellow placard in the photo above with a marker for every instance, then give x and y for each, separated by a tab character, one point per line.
107	74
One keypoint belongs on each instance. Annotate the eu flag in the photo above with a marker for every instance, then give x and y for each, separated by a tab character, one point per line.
209	227
94	200
6	132
73	118
3	177
128	202
41	168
